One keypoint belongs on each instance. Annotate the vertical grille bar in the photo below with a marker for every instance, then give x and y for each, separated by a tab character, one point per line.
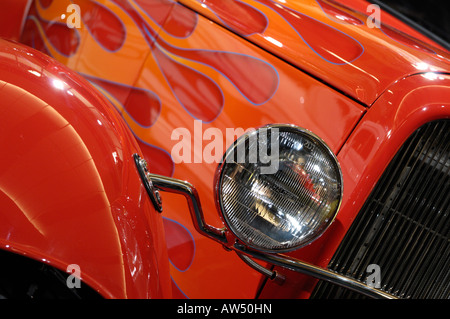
404	225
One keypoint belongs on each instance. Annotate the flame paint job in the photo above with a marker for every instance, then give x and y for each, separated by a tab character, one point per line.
164	63
338	13
233	13
202	72
327	40
387	19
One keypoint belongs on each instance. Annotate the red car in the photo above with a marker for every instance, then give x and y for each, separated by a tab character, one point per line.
310	139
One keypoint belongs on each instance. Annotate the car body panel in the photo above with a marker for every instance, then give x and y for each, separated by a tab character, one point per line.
13	18
406	106
70	193
138	78
190	66
388	19
329	41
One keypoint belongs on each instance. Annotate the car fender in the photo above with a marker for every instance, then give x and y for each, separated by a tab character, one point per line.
404	107
70	192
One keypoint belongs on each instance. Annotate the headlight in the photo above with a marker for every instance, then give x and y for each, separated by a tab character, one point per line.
278	188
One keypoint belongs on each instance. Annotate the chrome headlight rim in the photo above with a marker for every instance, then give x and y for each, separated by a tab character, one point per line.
219	177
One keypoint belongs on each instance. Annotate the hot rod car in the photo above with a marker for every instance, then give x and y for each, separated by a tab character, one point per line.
222	149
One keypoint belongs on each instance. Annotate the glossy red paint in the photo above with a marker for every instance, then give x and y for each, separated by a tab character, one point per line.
143	106
403	108
362	6
350	56
65	40
12	18
204	73
335	11
183	67
111	24
240	16
69	189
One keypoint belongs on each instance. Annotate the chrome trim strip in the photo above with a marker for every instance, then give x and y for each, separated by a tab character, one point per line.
184	188
316	272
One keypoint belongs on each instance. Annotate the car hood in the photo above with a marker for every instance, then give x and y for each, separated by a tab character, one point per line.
329	41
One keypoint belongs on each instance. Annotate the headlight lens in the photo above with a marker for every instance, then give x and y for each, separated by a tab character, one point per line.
278	188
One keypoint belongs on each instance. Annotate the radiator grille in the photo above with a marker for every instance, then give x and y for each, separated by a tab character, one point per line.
404	225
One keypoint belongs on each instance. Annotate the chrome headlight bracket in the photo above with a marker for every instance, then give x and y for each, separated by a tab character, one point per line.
233	241
153	193
230	242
